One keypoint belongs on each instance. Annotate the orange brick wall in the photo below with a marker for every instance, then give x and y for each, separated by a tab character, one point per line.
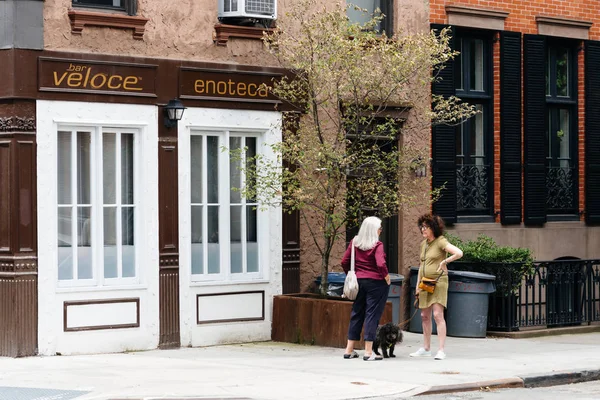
521	18
522	12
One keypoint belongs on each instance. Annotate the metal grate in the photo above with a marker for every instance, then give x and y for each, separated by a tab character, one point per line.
265	7
21	393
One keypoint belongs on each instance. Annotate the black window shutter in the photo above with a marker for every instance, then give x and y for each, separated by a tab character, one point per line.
534	71
592	132
443	143
510	127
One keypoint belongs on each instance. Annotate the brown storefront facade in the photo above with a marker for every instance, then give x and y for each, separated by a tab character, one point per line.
118	232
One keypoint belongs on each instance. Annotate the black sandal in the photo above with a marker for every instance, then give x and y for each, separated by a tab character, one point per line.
372	357
351	355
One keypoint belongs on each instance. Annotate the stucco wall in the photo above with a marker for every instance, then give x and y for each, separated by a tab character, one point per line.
176	29
555	239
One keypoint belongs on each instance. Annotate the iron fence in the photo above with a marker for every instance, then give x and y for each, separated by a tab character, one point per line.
551	294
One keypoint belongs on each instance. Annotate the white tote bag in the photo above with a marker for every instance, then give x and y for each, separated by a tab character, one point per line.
351	283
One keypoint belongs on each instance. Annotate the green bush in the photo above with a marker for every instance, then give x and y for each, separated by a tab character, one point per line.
483	254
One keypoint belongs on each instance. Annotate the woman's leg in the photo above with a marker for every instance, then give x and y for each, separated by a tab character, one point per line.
438	314
427	327
376	298
357	317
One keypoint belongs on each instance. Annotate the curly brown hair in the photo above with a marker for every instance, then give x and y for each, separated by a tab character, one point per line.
435	222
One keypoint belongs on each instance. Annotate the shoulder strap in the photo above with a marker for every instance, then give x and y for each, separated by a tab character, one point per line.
352	257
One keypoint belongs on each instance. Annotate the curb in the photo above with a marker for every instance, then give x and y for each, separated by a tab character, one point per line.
472	386
560	378
524	381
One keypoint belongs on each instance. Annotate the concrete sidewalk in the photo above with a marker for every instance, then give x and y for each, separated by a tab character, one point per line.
273	370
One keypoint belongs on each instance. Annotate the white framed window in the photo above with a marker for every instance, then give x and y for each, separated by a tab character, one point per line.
225	228
97	205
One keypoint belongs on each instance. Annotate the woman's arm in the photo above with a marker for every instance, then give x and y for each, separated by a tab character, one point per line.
456	254
346	259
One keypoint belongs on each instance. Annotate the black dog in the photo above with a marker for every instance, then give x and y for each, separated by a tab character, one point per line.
386	337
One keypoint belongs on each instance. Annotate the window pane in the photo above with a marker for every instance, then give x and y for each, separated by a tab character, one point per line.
235	175
236	239
476	138
356	16
476	65
564	138
127	168
128	241
105	3
196	161
110	243
213	240
459	64
213	168
251	240
562	71
250	163
64	170
197	246
65	240
460	132
84	243
109	182
83	168
548	62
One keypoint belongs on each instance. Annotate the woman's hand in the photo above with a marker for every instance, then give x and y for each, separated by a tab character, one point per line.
417	291
388	280
443	267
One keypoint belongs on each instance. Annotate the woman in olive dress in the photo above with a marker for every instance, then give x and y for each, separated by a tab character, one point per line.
435	255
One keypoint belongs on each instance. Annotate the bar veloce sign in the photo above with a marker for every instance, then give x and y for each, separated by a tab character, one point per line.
59	75
208	84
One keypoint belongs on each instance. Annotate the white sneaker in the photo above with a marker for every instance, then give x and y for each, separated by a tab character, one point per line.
440	355
421	353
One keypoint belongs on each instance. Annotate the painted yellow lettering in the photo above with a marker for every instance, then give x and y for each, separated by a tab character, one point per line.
57	81
74	79
111	79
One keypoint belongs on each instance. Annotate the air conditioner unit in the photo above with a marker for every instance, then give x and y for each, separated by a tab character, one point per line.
259	9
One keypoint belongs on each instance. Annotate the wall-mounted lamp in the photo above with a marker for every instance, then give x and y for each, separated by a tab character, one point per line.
173	112
419	167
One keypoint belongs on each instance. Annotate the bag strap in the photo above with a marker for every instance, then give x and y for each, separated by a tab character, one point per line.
352	257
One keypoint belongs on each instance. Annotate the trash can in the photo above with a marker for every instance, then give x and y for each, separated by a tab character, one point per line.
335	283
415	324
394	295
468	299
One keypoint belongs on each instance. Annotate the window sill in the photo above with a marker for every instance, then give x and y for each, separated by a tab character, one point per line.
224	32
81	19
228	283
88	289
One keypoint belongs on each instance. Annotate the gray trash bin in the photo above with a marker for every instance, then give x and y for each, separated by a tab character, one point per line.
394	295
468	299
416	323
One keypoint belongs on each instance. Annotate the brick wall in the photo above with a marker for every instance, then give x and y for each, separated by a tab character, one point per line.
521	18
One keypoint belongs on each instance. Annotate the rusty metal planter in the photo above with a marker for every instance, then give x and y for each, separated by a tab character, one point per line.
311	319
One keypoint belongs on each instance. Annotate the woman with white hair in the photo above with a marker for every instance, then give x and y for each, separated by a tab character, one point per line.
373	281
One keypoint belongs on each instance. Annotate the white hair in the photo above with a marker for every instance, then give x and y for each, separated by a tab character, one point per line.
368	235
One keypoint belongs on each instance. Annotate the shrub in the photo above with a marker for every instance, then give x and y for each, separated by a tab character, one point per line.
508	264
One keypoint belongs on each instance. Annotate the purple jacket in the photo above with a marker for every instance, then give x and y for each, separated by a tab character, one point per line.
368	264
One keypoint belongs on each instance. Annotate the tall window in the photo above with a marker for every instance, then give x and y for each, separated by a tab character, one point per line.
224	225
474	137
561	101
373	8
96	206
129	6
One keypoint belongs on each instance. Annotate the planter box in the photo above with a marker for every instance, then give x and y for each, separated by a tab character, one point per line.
310	319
